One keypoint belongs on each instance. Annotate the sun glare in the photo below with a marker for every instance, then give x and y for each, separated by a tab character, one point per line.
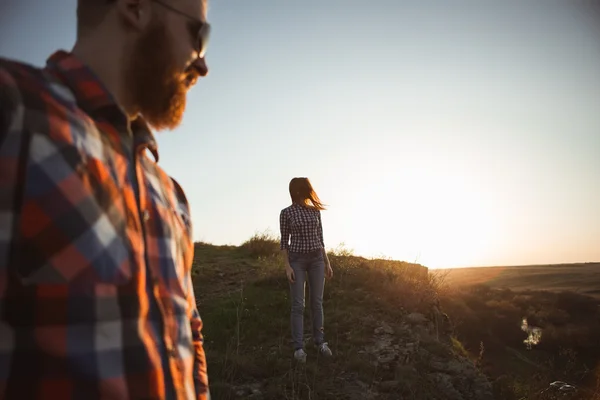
436	217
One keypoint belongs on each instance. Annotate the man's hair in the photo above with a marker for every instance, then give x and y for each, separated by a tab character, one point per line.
90	13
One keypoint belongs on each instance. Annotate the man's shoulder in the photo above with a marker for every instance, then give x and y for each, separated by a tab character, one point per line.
23	86
20	74
18	67
20	86
28	96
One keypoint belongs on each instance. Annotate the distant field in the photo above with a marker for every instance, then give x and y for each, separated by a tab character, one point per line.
581	278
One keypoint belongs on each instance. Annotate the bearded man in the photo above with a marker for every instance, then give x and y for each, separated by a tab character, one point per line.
96	295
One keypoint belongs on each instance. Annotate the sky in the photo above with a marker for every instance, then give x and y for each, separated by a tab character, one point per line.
450	133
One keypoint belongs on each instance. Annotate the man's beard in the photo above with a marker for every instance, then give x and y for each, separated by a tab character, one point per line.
157	90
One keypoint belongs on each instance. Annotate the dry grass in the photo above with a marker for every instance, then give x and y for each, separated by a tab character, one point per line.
243	299
262	244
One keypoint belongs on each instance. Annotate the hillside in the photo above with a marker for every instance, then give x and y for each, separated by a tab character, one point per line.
398	331
380	321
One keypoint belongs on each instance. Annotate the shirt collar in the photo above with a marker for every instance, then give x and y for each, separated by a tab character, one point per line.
95	99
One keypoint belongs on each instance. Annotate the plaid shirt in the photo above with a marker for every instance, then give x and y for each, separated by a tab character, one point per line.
303	225
96	297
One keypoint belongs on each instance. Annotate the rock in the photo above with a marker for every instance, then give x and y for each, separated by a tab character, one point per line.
398	350
388	386
411	347
249	391
423	354
444	384
356	389
417	319
406	352
452	367
465	378
422	331
406	378
363	385
386	357
384	329
406	372
382	348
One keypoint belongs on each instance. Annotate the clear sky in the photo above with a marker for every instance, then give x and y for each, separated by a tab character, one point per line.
454	133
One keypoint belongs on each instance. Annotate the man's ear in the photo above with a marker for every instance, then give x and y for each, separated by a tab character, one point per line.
136	14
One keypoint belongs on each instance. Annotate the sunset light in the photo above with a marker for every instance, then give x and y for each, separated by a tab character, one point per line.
383	199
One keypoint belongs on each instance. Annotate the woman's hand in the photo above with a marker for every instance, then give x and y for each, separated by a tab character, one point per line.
328	271
290	274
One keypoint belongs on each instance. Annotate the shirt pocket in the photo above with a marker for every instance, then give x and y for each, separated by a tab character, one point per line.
72	227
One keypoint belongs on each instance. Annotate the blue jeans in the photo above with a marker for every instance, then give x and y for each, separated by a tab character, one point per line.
308	267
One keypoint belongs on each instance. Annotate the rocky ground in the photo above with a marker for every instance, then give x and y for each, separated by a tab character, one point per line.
405	355
382	349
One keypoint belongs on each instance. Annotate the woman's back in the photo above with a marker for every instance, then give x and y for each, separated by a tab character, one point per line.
301	224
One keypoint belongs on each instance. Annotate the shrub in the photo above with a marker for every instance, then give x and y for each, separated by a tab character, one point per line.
458	347
262	244
567	350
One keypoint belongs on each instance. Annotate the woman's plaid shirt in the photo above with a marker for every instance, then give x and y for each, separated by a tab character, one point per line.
301	229
96	297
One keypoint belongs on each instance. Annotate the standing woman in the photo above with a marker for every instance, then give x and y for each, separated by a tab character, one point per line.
305	261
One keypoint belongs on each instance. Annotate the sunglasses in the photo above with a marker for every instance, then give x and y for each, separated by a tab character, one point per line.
200	30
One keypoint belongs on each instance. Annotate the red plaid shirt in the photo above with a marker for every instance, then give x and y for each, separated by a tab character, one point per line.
96	296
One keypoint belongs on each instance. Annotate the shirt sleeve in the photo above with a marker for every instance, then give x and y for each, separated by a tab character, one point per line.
12	158
200	370
200	367
321	231
284	228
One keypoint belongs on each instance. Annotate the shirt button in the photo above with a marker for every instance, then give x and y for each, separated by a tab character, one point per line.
145	215
171	351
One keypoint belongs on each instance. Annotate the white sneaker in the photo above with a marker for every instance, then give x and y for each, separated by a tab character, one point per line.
300	355
325	350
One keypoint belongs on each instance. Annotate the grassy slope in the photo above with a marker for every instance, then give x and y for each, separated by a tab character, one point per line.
244	303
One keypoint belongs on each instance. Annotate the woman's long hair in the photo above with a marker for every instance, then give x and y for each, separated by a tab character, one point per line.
303	193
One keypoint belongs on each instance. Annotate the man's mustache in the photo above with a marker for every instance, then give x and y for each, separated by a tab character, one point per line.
191	77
